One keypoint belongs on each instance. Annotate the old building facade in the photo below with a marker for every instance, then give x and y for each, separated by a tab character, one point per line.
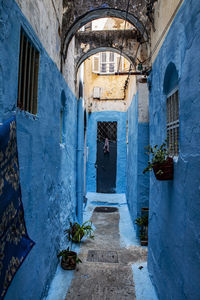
60	104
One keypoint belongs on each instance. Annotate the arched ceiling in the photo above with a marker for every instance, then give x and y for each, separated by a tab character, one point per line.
77	13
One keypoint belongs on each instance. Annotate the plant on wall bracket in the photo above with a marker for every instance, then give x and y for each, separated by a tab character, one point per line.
160	162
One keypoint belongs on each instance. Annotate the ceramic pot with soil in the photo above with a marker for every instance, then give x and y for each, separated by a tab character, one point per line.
69	259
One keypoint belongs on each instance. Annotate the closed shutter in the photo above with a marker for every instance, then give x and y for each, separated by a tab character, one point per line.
96	64
119	61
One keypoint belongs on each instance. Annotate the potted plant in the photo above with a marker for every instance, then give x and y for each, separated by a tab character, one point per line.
69	259
76	231
160	162
143	223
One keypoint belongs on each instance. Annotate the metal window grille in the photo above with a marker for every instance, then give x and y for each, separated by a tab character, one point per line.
173	123
28	75
107	130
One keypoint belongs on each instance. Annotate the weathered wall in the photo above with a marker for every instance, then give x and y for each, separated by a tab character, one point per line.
86	41
112	87
120	118
174	241
47	169
163	17
46	19
138	137
78	13
69	67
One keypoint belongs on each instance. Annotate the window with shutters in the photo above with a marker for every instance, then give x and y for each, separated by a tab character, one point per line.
28	75
173	122
107	63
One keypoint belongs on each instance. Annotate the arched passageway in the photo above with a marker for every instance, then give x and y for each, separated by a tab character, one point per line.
121	41
71	27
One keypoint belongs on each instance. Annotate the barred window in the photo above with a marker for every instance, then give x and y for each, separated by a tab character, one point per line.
28	75
173	123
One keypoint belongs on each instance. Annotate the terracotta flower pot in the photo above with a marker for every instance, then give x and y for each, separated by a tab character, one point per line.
144	242
164	171
69	263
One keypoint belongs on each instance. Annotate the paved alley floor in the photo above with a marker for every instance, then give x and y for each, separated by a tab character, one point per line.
110	262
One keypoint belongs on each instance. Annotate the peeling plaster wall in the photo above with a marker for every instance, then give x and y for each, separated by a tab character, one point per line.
87	41
112	87
174	240
47	168
108	116
46	19
69	66
138	137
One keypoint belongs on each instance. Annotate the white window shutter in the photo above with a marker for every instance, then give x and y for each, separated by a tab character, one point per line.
96	64
97	92
120	66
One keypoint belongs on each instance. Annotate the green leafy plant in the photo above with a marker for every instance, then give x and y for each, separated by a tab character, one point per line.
66	253
158	154
142	221
76	231
69	259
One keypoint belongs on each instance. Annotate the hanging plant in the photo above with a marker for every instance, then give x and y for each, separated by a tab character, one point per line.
160	162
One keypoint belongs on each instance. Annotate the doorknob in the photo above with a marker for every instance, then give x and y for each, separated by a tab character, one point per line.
96	166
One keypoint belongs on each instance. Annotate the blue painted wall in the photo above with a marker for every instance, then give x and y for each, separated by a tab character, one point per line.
80	161
121	119
137	183
47	168
174	240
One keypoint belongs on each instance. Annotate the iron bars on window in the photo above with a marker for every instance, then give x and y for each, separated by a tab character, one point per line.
28	75
173	123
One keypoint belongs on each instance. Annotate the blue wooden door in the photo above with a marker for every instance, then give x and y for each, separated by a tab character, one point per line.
106	157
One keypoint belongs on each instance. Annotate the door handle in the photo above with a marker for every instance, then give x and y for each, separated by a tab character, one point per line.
96	166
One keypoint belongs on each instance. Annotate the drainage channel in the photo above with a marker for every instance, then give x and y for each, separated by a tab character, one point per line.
102	256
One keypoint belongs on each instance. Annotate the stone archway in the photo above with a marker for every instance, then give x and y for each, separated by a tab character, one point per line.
82	17
89	43
97	50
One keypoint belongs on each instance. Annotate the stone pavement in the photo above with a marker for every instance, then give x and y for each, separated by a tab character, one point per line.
106	269
110	268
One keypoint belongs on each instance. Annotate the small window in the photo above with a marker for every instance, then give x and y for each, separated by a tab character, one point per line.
107	63
97	92
28	75
173	123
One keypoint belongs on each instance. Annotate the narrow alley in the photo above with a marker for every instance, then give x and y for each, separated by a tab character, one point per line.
99	149
114	265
